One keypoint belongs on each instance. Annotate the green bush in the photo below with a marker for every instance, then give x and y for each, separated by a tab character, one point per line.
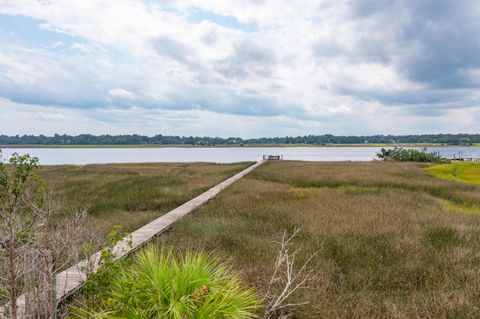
161	285
410	155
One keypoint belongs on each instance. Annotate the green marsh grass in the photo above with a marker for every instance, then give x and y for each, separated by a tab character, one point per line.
467	172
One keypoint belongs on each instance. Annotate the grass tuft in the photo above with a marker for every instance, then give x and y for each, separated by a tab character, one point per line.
442	237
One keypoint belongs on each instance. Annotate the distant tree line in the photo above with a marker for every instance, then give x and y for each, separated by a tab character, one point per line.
88	139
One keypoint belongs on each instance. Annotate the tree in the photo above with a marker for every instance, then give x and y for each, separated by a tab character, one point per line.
19	189
30	238
410	155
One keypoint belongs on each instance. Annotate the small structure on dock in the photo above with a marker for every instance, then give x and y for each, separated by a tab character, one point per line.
462	158
465	159
272	157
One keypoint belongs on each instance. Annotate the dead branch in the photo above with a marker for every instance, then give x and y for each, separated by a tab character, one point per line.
286	279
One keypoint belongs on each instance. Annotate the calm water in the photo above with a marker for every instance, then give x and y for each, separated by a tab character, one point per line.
51	156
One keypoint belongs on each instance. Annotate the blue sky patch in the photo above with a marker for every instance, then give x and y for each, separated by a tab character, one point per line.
198	15
27	32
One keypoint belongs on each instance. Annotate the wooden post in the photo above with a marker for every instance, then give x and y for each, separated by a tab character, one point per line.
39	285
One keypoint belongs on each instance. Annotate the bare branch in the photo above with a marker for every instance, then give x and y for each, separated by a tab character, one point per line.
289	279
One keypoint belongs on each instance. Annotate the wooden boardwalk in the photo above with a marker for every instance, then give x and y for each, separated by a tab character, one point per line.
70	280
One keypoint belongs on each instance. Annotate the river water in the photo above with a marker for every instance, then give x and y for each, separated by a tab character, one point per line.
52	156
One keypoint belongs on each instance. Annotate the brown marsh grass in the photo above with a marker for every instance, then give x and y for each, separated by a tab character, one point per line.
391	241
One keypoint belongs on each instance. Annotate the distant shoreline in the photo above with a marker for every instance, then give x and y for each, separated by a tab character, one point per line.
229	145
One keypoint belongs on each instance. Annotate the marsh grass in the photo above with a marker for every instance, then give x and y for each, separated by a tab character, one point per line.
385	244
467	172
131	195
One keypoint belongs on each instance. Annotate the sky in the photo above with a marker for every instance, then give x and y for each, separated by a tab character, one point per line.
245	68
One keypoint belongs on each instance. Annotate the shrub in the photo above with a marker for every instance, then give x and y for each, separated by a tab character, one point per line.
161	285
410	155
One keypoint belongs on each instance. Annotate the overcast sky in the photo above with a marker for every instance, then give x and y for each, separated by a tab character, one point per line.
239	67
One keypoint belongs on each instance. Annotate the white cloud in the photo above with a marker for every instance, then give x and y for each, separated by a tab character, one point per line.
57	44
50	116
81	47
319	64
123	93
39	119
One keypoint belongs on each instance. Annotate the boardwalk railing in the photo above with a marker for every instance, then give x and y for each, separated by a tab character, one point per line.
70	280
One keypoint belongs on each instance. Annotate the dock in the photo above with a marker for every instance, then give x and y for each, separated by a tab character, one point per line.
272	157
460	157
465	159
71	280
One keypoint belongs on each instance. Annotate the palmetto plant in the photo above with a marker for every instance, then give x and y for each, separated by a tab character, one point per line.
162	285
